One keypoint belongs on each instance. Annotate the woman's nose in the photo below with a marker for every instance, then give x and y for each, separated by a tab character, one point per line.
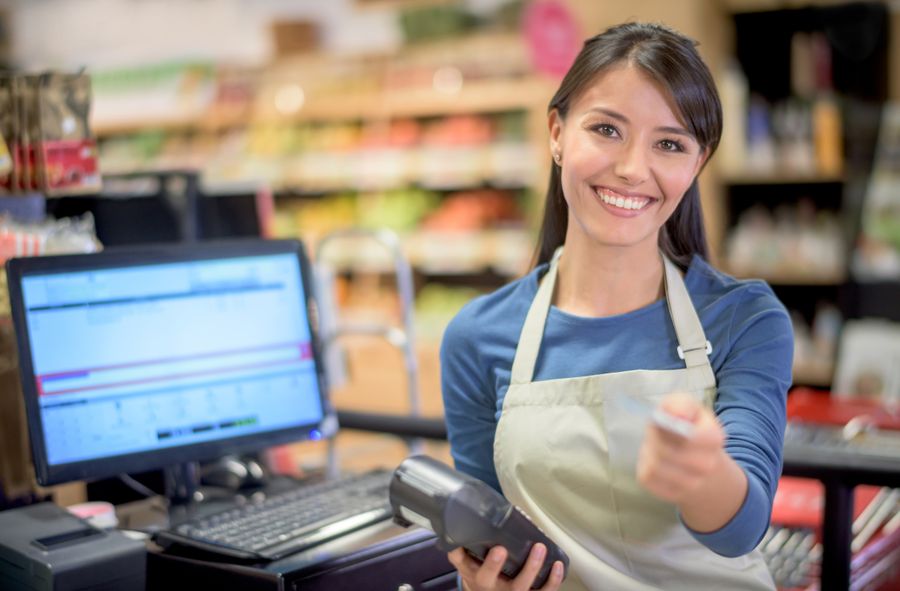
631	165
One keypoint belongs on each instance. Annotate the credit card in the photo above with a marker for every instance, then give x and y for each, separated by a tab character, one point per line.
660	418
671	423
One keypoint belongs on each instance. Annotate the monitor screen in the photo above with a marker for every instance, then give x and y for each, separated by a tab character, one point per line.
135	359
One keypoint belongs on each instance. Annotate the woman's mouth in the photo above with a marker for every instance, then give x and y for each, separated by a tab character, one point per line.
630	203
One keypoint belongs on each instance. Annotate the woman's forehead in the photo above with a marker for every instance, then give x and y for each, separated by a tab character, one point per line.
629	88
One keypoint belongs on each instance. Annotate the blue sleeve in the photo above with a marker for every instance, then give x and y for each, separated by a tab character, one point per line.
469	402
751	405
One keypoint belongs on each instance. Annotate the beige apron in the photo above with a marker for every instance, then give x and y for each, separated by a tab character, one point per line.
566	452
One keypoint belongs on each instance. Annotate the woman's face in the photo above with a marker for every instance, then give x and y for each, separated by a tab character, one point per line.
626	159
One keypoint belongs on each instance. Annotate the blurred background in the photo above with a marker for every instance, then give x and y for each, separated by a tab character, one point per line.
217	118
294	118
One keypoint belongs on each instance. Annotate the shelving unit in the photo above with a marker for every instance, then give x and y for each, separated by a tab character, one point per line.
342	140
803	203
493	96
384	89
781	178
786	229
488	96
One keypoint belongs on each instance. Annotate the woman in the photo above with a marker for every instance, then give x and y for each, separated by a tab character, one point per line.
549	382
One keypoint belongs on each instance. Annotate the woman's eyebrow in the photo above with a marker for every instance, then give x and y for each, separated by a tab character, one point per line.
609	113
677	131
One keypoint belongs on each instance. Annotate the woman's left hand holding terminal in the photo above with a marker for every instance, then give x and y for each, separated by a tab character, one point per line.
694	472
487	576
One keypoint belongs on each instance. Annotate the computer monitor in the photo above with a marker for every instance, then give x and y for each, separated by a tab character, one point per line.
134	359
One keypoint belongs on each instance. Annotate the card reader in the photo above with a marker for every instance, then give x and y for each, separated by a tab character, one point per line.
464	511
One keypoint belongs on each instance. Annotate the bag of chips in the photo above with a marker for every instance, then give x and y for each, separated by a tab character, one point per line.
67	151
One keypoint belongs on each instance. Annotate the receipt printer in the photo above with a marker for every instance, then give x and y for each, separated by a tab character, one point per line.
43	547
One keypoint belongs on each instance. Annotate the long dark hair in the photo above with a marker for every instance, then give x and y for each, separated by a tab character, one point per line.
672	60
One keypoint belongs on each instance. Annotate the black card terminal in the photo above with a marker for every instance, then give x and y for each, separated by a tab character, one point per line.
464	511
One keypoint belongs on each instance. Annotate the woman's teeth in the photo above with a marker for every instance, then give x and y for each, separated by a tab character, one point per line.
622	202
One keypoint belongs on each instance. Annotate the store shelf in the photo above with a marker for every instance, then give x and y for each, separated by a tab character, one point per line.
207	122
477	97
394	4
331	145
813	374
323	87
780	178
288	192
485	255
489	96
794	277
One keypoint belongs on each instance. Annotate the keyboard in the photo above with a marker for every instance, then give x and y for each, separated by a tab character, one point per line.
287	522
825	445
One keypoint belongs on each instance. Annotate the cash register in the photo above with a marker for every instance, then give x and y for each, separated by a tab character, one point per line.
164	356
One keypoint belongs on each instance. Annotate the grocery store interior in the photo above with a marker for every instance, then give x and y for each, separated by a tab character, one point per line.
355	123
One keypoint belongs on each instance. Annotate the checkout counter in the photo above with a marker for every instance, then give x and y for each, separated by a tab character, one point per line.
386	556
381	556
818	448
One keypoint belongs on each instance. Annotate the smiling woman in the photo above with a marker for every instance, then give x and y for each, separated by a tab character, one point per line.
627	156
622	311
675	91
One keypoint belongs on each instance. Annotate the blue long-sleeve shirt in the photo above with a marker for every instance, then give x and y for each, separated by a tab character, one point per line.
752	354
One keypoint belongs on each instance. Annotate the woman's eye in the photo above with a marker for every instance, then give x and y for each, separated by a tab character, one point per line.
671	146
606	130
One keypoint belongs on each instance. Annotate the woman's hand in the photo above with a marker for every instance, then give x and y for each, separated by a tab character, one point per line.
486	576
675	468
695	473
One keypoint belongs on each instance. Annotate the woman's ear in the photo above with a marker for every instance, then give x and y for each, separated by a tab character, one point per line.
555	124
701	161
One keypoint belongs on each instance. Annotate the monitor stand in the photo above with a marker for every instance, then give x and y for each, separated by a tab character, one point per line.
181	482
191	482
234	474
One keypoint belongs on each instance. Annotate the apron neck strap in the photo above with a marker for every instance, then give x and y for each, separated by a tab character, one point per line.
692	344
533	330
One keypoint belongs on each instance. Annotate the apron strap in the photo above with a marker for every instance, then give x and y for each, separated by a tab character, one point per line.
533	330
692	344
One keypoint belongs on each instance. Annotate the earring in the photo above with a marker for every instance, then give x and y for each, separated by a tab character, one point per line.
557	158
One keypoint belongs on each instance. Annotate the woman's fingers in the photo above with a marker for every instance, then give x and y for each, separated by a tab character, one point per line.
681	405
487	575
556	577
457	558
530	569
465	565
489	572
672	466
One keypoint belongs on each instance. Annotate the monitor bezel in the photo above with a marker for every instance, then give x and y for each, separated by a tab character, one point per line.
154	254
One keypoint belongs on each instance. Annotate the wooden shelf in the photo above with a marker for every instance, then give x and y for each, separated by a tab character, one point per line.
739	6
210	121
448	255
791	277
780	178
813	374
288	192
488	96
485	96
395	4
